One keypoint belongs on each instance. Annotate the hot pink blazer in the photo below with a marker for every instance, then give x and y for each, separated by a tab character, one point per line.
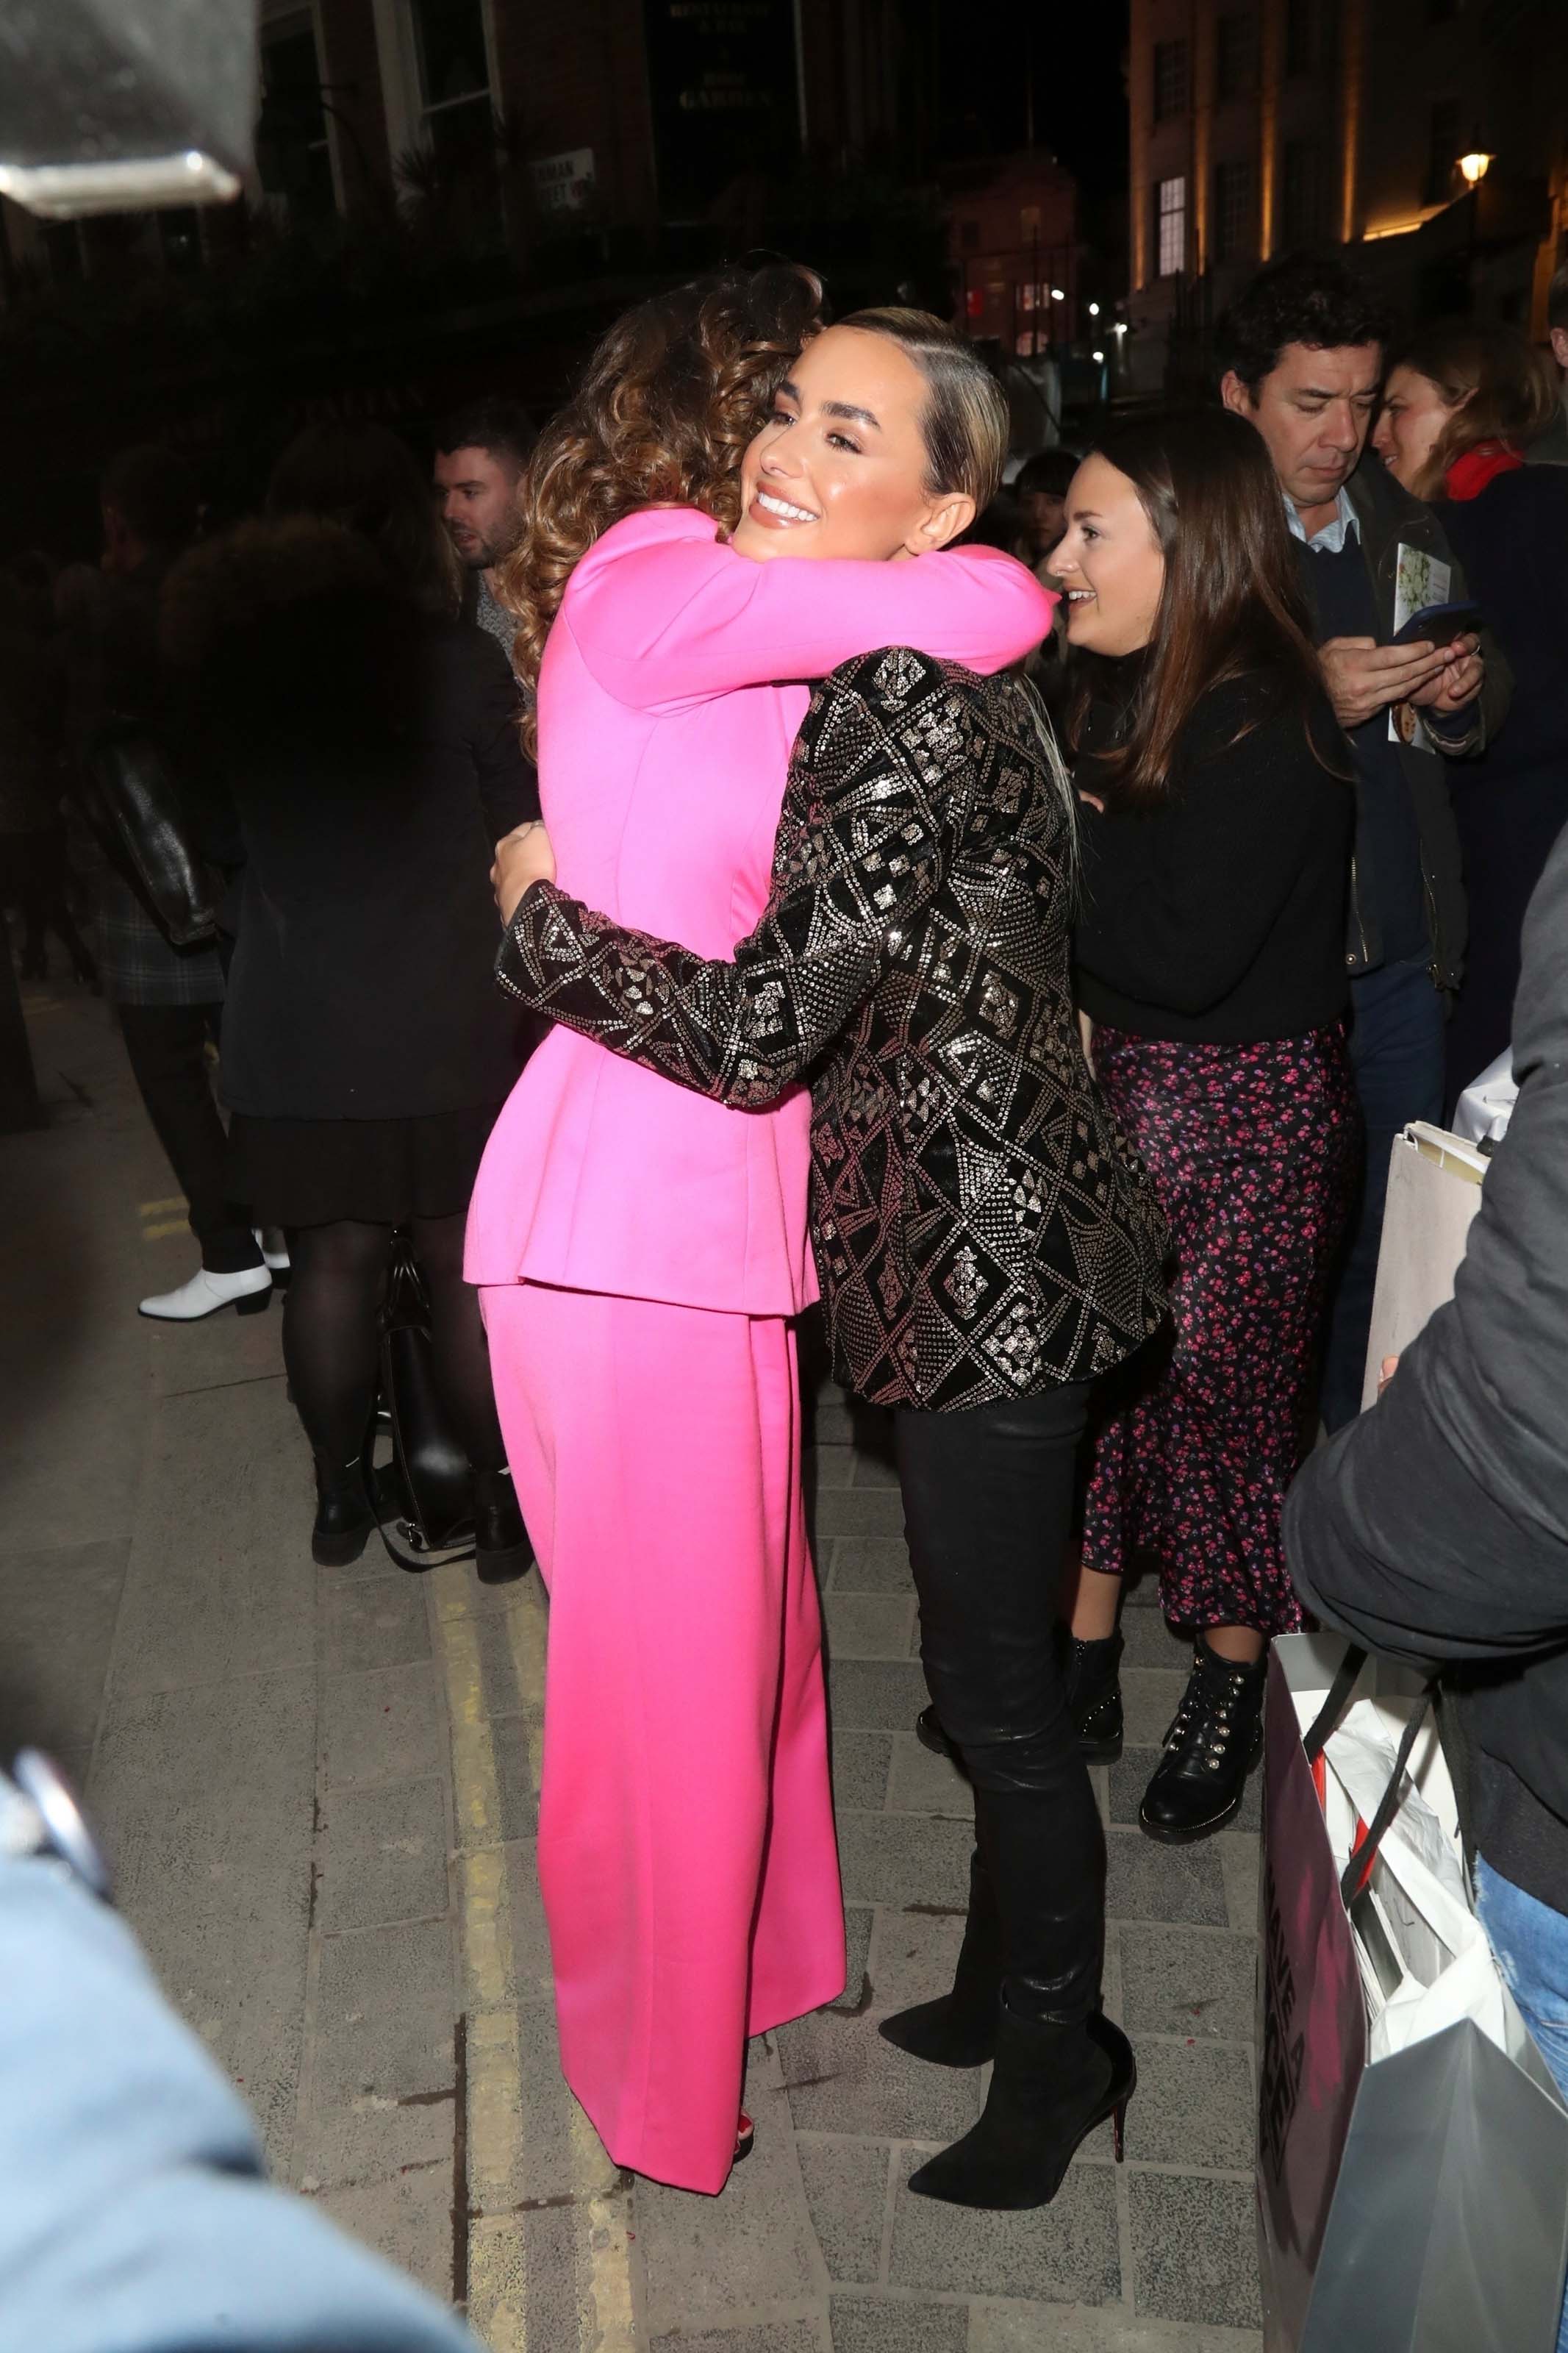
664	745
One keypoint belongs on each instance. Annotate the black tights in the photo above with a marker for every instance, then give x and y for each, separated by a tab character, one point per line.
988	1500
330	1334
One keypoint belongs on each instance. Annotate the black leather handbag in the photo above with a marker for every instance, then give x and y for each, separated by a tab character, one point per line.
424	1497
133	804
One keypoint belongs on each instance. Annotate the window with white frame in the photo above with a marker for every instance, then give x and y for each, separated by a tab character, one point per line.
1170	227
1170	80
456	105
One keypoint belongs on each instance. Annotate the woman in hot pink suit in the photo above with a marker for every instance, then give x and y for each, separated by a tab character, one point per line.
641	1252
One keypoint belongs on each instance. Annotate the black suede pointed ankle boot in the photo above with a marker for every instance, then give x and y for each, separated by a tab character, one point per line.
1052	2085
1216	1736
960	2029
344	1516
1091	1673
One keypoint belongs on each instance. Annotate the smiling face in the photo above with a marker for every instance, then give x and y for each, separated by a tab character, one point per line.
1313	410
1413	416
1109	563
840	468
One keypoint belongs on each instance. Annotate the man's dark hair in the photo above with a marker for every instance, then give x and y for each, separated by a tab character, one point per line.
1557	297
155	492
503	428
1302	298
1050	471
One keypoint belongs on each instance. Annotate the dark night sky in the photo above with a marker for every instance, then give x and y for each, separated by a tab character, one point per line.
987	49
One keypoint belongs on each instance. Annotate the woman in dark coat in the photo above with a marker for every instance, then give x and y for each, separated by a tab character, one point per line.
1461	405
367	743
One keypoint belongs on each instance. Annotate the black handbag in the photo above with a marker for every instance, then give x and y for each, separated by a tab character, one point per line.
134	803
426	1492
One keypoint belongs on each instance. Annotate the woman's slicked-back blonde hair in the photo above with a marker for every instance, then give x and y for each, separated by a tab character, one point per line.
672	395
966	424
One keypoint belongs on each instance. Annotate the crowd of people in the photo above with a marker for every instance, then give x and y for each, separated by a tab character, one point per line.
1025	930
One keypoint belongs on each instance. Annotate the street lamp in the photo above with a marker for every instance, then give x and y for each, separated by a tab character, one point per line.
1058	294
1475	167
1094	309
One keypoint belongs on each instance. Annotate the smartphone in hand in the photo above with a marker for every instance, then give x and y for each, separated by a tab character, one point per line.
1440	624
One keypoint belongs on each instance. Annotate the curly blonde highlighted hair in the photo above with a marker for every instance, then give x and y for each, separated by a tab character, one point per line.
674	393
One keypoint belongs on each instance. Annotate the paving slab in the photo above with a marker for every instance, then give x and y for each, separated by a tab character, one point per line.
867	1625
1017	2327
857	1512
871	1565
1194	2253
903	1859
1187	1981
913	1956
843	2078
57	1608
377	1620
772	2337
1068	2251
861	1763
213	1869
382	1725
927	1784
845	2184
1150	1698
707	2263
876	1695
1179	1883
858	1920
386	1855
882	2324
220	1582
1194	2105
407	2219
1240	1860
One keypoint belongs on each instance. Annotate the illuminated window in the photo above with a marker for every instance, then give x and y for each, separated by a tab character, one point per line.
1170	227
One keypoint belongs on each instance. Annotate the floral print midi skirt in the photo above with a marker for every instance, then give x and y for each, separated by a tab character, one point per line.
1254	1151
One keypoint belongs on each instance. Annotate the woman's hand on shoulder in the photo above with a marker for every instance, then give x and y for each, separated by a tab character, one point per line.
523	857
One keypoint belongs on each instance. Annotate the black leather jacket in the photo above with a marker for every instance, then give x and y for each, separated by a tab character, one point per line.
981	1230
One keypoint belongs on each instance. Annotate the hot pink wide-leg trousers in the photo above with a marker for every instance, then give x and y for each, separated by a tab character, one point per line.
685	1843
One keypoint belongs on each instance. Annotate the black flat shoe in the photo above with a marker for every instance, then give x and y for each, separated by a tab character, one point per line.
1215	1739
501	1550
344	1516
1051	2087
959	2030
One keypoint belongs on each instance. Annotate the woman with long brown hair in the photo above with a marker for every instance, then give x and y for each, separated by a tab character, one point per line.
1462	403
641	1251
1211	961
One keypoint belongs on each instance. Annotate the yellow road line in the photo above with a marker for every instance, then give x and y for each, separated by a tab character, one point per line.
168	1226
499	2122
158	1208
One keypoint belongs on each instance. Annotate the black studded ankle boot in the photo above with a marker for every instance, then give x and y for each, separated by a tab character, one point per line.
344	1516
960	2029
1216	1736
1092	1675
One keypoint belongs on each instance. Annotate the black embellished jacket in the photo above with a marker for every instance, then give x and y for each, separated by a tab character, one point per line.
981	1230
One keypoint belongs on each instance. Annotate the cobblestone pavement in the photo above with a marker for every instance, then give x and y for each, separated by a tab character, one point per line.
319	1791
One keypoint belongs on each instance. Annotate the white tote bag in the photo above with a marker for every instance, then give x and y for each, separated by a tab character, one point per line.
1434	1191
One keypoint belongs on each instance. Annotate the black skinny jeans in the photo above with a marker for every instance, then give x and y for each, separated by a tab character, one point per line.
988	1504
167	1048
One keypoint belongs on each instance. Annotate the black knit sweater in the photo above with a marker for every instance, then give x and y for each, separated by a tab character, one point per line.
1217	913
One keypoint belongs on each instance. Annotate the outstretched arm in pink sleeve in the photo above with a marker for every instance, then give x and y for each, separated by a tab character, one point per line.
675	620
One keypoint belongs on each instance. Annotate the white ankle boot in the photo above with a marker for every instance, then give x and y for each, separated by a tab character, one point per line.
248	1291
